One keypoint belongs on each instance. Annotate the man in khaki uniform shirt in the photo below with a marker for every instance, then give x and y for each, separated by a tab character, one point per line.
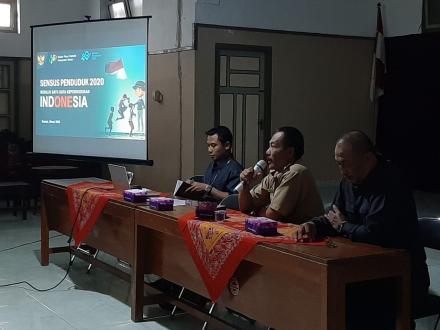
288	193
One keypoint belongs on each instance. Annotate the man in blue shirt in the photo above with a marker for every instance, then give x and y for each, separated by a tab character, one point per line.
223	173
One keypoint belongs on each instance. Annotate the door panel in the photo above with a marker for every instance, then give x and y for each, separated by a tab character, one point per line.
252	129
238	128
4	103
222	70
244	63
227	110
244	80
7	95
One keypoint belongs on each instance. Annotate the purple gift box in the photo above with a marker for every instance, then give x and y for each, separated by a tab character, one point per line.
206	210
261	226
161	204
135	195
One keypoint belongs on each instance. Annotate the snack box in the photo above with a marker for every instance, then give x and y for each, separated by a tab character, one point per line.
261	226
135	195
161	204
206	210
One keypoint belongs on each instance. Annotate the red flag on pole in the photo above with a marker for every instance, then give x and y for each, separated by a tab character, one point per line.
378	69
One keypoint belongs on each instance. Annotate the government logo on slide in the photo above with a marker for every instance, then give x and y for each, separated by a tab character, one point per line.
41	58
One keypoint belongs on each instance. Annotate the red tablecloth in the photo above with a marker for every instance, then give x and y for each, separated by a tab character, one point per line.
217	248
86	202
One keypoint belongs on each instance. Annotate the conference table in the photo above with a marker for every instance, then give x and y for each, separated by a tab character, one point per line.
283	286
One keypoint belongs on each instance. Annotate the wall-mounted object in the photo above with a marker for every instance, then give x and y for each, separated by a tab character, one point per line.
157	96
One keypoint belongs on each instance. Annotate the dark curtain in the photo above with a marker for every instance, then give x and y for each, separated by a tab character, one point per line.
408	125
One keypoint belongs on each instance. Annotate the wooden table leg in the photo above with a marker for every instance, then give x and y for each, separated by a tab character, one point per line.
44	233
403	302
137	277
334	306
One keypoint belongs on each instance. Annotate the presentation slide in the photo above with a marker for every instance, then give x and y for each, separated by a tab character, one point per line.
97	93
90	89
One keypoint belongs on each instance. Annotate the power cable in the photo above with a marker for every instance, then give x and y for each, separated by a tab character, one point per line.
70	250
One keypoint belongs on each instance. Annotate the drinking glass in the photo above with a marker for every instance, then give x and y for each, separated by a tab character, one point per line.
130	176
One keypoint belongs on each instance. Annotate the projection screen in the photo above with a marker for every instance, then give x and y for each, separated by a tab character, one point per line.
90	88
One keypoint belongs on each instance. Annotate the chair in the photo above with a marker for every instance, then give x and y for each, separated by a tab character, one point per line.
429	233
18	192
231	202
13	184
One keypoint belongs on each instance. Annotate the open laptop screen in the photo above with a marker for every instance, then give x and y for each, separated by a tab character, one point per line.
119	177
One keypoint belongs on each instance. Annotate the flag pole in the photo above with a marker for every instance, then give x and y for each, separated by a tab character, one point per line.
378	69
375	107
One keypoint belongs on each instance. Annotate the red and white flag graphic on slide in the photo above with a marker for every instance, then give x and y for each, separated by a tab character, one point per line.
116	68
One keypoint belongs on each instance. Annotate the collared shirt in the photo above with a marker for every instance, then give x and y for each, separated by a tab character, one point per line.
223	175
292	193
376	208
381	210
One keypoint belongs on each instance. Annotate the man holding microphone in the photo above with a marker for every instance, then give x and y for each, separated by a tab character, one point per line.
288	192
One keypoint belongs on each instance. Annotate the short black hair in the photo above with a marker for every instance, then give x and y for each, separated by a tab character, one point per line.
359	141
224	134
293	138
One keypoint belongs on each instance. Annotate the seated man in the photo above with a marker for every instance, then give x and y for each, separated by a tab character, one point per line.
223	173
372	205
288	193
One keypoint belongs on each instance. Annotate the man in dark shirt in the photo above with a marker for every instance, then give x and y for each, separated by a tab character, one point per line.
372	205
223	173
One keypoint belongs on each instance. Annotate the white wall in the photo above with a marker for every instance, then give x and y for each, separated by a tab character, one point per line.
34	12
163	24
343	17
340	17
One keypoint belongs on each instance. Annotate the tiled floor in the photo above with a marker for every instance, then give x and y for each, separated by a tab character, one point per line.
99	300
83	301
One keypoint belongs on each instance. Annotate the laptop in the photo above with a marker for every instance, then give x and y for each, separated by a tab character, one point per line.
119	177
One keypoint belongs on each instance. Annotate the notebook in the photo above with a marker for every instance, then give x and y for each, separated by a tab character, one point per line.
181	191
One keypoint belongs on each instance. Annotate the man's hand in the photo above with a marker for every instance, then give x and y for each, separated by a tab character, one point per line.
250	177
336	218
196	187
306	232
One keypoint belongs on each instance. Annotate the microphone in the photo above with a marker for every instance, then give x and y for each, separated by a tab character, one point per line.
259	167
